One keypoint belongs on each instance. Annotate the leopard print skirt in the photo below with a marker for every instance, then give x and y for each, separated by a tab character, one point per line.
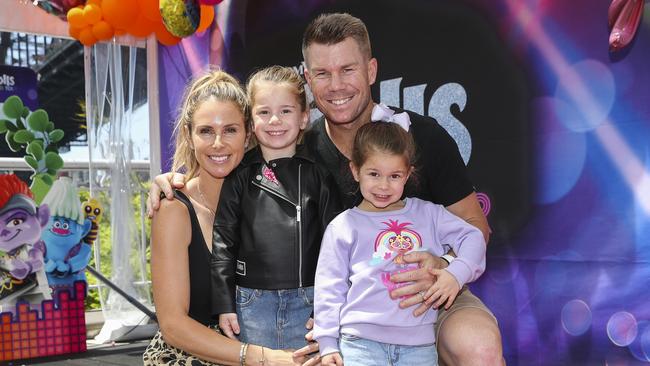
160	353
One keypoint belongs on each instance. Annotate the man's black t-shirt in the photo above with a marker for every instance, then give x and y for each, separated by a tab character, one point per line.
440	174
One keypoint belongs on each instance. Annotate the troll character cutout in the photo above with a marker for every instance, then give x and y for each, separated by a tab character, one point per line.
66	256
21	250
93	211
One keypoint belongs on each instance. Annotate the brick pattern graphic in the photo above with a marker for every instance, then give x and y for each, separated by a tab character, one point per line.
61	330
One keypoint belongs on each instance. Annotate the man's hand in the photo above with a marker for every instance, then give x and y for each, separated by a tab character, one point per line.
229	325
163	183
420	280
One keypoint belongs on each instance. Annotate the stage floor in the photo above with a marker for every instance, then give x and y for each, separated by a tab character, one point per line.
120	354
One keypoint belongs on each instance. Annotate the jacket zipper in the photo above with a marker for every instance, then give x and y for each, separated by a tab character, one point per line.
298	220
298	215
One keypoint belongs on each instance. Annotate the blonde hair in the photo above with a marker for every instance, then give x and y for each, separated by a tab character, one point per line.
278	74
213	84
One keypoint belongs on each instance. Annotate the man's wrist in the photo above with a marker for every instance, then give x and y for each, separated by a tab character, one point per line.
447	258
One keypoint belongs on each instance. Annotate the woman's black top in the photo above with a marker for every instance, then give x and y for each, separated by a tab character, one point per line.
199	263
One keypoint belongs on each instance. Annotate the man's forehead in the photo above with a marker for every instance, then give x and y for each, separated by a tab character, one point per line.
336	54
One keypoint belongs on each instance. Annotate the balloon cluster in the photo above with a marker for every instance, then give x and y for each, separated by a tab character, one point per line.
623	18
169	20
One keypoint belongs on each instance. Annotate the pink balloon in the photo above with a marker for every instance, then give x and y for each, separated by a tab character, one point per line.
626	23
210	2
59	7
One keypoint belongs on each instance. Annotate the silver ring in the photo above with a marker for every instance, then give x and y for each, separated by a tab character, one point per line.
422	295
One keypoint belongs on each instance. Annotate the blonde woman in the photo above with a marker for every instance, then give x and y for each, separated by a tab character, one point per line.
211	134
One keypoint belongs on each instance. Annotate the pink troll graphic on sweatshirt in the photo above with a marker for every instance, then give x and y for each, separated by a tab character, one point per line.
391	244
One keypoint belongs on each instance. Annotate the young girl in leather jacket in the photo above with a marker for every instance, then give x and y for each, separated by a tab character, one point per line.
271	216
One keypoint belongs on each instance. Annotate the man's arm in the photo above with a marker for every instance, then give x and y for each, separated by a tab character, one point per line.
423	278
469	210
165	183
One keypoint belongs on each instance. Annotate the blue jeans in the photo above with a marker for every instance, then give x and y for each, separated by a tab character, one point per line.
274	318
363	352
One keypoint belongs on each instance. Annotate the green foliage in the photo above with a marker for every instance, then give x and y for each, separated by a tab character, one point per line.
34	132
38	120
13	107
45	178
36	150
56	135
53	161
24	137
33	163
13	145
105	244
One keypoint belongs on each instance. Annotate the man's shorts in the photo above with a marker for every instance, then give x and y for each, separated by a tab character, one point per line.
465	299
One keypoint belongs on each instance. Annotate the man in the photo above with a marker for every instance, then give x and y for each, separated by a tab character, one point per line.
340	71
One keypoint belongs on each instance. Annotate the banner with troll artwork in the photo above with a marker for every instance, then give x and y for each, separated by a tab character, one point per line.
552	125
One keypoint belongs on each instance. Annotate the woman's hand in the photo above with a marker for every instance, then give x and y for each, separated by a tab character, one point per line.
309	353
229	325
420	280
444	291
163	183
275	357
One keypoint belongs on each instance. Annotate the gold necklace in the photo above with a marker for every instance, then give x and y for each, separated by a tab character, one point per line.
205	202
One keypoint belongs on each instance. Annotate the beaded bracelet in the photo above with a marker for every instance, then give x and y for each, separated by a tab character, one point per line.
242	354
262	360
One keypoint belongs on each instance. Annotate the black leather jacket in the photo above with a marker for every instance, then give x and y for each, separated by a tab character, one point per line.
267	235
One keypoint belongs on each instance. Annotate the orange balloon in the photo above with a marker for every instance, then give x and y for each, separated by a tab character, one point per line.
142	27
207	16
164	37
120	13
102	30
76	18
92	13
74	32
86	37
149	8
94	2
120	32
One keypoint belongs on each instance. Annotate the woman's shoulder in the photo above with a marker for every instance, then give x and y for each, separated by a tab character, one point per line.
175	207
171	224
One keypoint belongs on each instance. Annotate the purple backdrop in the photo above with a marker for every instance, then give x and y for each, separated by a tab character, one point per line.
555	130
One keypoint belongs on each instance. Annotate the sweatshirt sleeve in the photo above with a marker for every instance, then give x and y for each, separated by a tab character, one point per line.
331	288
467	242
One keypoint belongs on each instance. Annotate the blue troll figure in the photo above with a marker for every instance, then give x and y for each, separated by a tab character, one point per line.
66	256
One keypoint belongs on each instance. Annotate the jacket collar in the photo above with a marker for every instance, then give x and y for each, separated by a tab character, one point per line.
254	155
